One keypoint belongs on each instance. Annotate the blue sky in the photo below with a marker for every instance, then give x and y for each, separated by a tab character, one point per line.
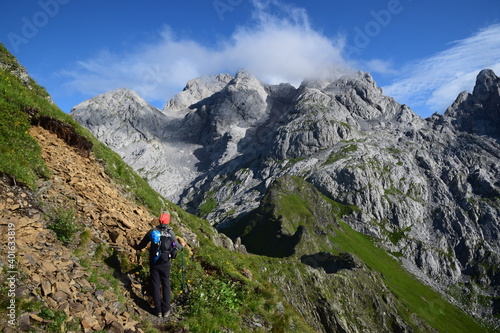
421	52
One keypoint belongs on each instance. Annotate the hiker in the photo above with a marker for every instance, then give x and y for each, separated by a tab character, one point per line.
161	237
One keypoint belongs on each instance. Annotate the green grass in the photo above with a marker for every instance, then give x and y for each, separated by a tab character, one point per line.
295	210
220	295
62	222
217	295
208	206
57	320
21	154
341	210
342	153
417	297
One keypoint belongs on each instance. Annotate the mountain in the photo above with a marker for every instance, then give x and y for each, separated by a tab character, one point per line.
70	209
426	190
477	113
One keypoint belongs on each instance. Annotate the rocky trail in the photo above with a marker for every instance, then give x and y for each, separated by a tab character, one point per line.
73	278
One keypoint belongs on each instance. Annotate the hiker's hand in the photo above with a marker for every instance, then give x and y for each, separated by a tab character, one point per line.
181	241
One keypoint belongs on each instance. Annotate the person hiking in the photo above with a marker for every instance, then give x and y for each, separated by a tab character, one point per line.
163	248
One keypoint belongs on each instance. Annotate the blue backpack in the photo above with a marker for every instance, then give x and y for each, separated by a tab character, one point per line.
163	247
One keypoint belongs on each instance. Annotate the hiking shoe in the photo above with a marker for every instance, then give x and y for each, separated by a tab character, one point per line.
166	314
159	315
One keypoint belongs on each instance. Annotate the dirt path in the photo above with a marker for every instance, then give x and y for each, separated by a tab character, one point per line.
53	273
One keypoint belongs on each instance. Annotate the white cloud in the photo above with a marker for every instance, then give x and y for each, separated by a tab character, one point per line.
379	66
433	84
280	45
277	48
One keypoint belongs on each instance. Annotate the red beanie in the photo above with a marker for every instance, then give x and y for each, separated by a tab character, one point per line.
164	219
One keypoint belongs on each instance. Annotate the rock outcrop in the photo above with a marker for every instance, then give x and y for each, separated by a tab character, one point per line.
197	90
427	189
478	113
145	138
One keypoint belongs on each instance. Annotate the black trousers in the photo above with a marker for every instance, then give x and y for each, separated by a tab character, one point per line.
160	280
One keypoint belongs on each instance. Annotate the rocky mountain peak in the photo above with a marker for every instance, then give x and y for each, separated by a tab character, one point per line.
121	116
479	112
246	79
487	85
121	101
350	79
356	100
197	90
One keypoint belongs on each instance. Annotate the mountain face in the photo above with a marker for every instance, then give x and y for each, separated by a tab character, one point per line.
427	190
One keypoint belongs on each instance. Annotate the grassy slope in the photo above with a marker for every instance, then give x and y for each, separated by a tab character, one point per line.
417	298
20	152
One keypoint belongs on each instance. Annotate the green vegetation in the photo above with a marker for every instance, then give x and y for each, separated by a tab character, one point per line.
285	214
85	238
418	298
397	235
62	222
57	321
341	210
21	154
207	206
393	191
342	153
293	200
294	210
220	295
223	287
394	151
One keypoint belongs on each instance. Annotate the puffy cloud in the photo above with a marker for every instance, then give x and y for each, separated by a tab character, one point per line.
379	66
278	47
432	84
